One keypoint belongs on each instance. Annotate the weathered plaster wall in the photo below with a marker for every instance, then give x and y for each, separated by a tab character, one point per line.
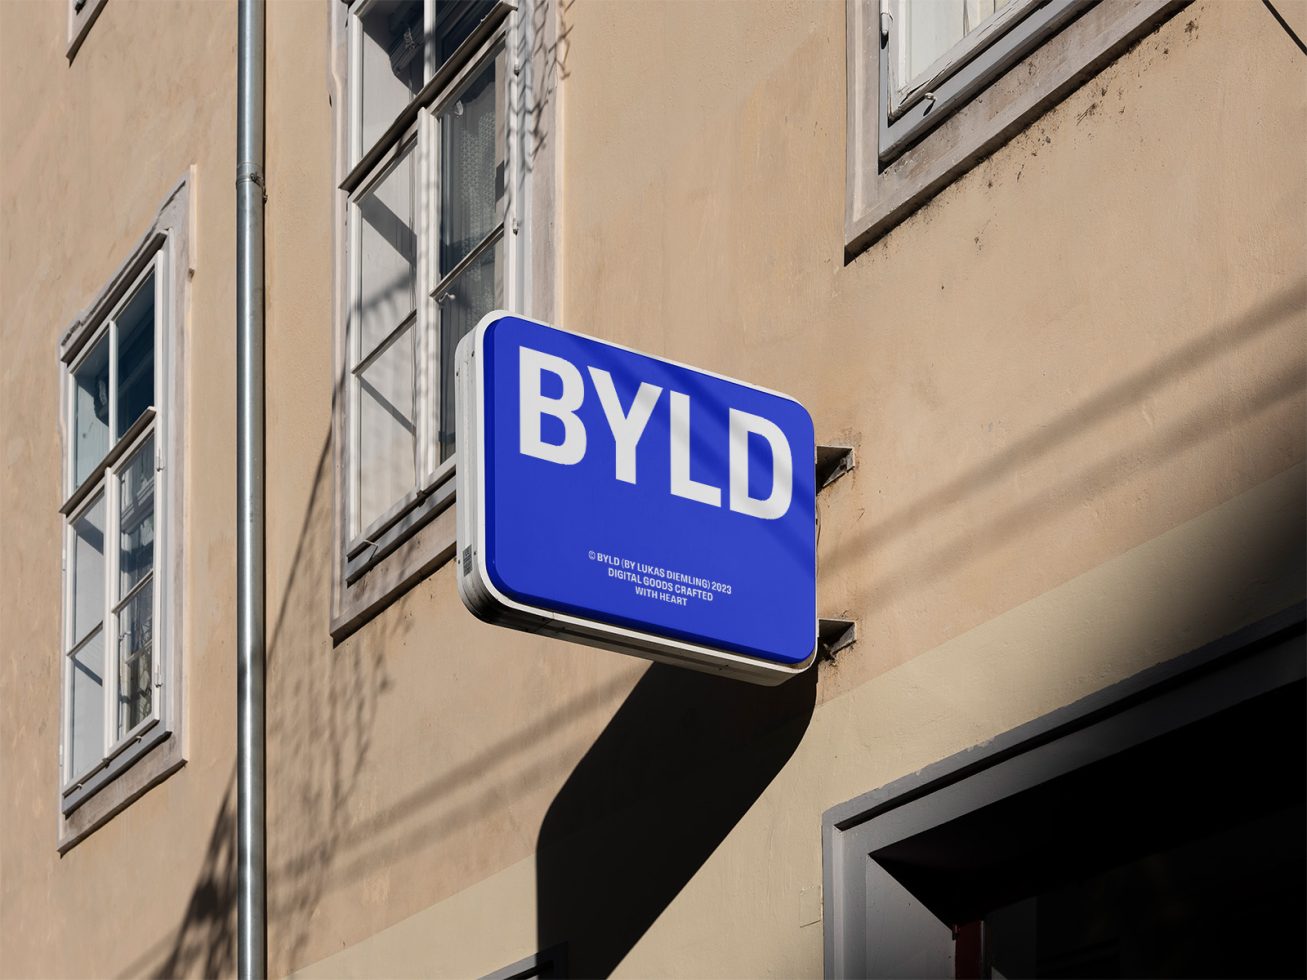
1075	382
88	151
753	910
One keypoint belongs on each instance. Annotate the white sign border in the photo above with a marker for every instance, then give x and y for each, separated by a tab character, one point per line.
490	605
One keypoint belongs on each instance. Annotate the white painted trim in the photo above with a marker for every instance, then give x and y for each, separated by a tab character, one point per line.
155	747
905	92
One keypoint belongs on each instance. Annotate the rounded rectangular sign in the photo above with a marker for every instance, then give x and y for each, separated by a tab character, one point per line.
634	503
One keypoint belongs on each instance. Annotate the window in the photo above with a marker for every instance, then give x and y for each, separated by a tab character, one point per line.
434	203
120	575
1133	833
917	71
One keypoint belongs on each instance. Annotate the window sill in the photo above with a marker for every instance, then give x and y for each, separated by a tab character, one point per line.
364	554
877	199
159	762
400	568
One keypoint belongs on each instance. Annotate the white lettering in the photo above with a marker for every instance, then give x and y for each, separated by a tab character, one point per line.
777	502
533	404
682	485
626	427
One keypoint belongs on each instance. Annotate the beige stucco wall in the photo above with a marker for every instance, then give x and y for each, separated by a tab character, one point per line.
1075	382
88	152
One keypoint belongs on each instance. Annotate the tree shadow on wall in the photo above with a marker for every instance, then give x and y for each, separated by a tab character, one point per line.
679	765
204	944
322	705
206	941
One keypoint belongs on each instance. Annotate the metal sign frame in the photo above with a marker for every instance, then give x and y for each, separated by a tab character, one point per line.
491	605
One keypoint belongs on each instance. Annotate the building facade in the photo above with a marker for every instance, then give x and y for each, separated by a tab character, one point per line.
1041	267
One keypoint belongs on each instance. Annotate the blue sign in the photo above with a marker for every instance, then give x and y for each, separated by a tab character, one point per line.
634	503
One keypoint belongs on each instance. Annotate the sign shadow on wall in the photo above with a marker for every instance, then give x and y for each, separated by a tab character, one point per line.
677	767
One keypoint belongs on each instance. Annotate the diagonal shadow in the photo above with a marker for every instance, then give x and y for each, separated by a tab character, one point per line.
1273	314
930	563
204	943
679	765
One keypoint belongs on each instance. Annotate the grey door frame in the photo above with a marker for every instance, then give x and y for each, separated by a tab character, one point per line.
875	927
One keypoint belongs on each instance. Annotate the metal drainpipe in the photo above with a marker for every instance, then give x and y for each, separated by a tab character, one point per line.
252	931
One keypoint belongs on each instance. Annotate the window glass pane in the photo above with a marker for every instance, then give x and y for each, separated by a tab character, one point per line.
135	659
392	63
477	291
91	409
86	705
88	570
136	356
471	178
929	28
136	527
387	255
455	20
387	434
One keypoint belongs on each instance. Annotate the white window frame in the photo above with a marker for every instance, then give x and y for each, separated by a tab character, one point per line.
154	747
376	563
909	138
913	106
905	91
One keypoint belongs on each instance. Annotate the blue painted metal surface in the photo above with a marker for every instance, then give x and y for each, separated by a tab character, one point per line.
629	490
